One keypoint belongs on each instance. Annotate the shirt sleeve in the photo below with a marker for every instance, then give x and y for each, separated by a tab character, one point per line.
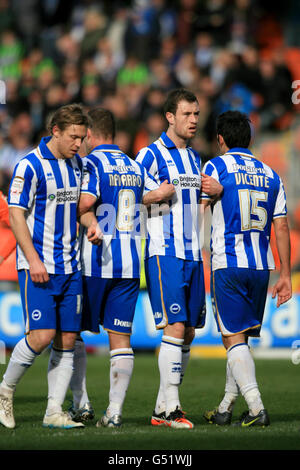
280	209
150	183
23	186
148	159
210	170
90	181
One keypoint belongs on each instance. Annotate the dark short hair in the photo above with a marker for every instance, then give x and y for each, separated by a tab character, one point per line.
102	123
235	129
67	115
175	96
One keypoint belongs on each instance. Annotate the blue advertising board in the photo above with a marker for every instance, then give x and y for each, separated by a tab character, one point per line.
281	326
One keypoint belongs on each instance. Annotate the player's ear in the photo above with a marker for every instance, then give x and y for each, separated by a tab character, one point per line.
170	117
55	131
220	140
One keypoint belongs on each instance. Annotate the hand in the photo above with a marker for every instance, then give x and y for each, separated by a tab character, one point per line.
38	272
211	186
167	190
94	234
283	290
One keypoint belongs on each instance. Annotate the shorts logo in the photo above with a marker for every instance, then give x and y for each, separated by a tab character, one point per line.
36	315
175	308
158	315
124	324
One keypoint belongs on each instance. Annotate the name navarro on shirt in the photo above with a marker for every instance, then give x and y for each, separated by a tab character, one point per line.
125	180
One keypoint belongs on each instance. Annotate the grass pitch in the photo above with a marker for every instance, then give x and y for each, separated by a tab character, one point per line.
202	389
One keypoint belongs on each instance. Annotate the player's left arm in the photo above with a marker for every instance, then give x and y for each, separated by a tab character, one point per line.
283	287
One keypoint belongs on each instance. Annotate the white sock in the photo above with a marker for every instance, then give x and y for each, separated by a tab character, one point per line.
231	392
169	363
21	359
160	405
60	370
186	352
243	370
78	380
121	367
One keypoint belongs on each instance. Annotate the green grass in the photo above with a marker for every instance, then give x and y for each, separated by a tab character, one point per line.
202	389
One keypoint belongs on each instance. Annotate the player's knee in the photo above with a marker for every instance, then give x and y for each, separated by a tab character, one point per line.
175	330
40	339
189	335
65	340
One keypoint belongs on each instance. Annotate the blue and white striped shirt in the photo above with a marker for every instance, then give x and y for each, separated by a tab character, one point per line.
241	220
48	190
118	183
176	233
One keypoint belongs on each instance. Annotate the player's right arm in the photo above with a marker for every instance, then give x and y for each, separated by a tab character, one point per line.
283	287
22	192
37	269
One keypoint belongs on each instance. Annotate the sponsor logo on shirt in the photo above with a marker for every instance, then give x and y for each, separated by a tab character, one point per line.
70	195
185	181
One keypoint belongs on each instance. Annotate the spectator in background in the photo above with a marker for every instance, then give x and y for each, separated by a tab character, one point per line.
151	128
18	143
95	25
275	91
8	242
143	30
204	51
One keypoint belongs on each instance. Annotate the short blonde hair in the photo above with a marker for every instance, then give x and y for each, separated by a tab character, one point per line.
67	115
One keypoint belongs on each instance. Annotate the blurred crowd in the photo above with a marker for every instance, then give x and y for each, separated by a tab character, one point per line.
126	55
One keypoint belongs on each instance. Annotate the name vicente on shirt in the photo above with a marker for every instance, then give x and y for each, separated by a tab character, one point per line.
252	180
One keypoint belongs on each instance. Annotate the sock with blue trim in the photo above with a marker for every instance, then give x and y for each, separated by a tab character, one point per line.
60	371
186	352
78	380
21	359
231	392
243	370
121	368
169	364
